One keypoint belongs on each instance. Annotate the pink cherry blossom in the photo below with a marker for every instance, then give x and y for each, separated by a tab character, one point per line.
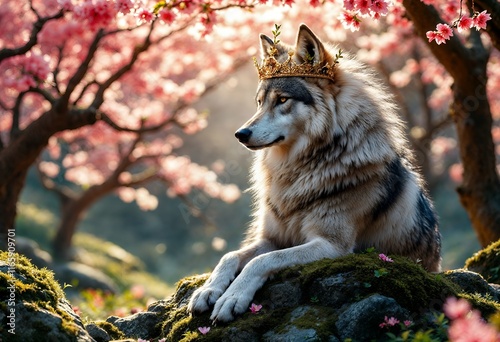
124	6
350	21
49	168
364	6
441	35
254	308
479	21
465	23
380	7
349	5
445	30
456	173
167	16
145	16
385	258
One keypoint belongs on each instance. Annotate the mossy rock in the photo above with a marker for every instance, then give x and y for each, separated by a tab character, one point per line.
321	300
35	304
486	262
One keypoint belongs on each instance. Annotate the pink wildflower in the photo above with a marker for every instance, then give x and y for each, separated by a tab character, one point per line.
407	323
204	330
456	308
385	258
389	322
480	20
254	308
467	324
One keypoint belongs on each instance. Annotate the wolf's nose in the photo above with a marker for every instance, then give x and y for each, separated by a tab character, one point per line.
243	135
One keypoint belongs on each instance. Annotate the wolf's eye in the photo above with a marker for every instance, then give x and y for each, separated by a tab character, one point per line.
282	99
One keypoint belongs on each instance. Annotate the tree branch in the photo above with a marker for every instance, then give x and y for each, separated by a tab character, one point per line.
16	113
493	27
453	55
141	177
84	89
33	40
99	97
46	95
80	72
63	192
56	70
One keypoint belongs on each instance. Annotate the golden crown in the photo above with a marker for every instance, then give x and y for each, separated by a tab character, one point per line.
271	68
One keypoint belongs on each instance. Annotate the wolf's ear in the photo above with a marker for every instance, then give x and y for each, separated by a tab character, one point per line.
308	47
266	44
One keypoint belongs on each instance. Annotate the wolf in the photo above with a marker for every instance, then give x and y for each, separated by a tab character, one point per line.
332	174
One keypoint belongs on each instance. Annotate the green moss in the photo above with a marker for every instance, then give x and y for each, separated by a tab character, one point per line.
113	332
486	262
36	287
404	280
324	327
408	283
485	304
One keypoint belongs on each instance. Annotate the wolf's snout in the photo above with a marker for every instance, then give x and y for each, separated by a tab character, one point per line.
243	135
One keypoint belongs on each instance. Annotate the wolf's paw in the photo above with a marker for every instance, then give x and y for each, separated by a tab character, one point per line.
202	298
230	305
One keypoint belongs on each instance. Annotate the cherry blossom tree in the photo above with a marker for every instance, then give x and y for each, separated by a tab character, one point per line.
93	90
471	61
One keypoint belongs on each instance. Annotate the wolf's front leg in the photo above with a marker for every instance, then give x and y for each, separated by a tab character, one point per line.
223	274
238	296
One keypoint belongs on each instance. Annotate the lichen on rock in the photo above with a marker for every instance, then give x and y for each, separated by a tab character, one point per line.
40	307
486	262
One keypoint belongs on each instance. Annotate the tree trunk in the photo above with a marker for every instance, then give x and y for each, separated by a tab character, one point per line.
480	190
73	210
21	153
9	195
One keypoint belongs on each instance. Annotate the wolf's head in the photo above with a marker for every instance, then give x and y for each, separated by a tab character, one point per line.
285	104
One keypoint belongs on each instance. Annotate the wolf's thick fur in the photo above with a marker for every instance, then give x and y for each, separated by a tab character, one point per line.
332	175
